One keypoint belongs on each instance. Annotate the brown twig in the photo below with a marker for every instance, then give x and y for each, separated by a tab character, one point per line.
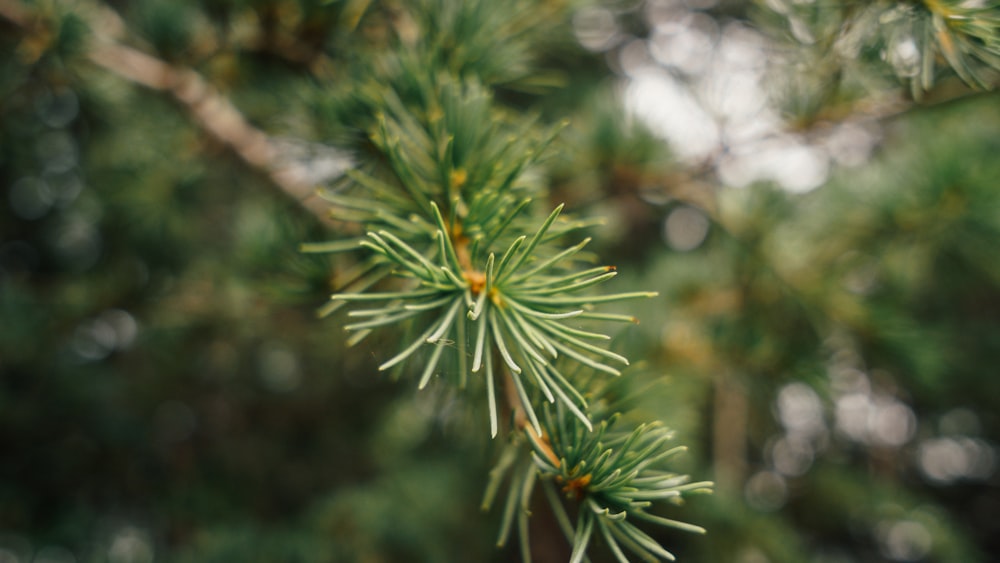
209	109
14	13
521	420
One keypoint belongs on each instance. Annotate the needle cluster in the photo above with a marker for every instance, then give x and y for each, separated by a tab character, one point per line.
610	477
462	259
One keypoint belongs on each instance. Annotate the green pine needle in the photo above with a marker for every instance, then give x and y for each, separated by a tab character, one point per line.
610	475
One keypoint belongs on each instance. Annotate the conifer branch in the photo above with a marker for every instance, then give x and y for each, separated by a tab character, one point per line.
456	251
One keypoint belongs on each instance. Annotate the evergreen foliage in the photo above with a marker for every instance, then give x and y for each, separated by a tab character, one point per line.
482	287
186	181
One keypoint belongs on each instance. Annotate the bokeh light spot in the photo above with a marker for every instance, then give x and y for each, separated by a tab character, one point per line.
904	540
791	456
595	28
766	491
800	410
30	198
57	108
279	368
685	228
945	460
893	424
130	545
57	150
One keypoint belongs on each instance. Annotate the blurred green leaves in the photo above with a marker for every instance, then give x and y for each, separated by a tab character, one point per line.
915	39
166	393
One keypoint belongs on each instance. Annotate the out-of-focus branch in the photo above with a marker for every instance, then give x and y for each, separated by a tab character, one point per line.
209	109
14	13
729	434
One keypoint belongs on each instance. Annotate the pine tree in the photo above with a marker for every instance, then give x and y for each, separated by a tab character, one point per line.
457	175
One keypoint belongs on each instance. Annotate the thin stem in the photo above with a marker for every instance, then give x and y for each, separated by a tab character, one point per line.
520	418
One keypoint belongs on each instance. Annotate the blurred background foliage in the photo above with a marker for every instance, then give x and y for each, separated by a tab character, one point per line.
815	202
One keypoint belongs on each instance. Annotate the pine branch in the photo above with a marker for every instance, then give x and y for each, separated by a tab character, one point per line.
463	260
458	253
